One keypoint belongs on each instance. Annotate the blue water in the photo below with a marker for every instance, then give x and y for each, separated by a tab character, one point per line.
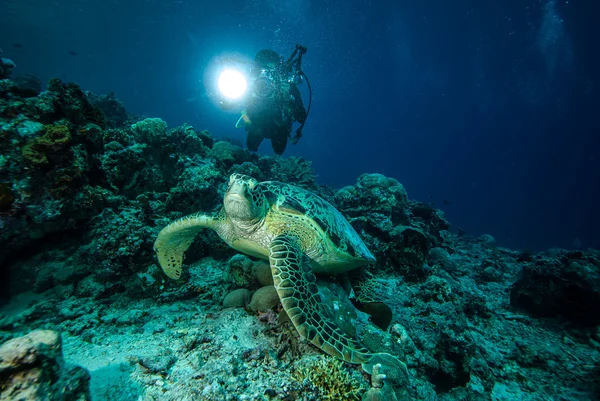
487	109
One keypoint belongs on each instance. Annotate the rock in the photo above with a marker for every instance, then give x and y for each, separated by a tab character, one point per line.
438	255
410	250
374	180
559	290
158	364
206	138
89	287
28	85
32	368
264	299
6	67
262	273
240	269
227	153
487	239
237	298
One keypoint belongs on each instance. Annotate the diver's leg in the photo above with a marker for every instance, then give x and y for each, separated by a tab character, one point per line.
279	140
253	140
279	143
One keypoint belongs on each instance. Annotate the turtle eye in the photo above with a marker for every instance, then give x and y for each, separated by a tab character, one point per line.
231	179
252	184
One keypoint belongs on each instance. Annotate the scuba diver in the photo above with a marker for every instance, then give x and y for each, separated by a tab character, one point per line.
273	102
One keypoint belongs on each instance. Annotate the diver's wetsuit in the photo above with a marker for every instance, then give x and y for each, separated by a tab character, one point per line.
272	109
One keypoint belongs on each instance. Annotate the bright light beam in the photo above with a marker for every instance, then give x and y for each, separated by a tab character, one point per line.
232	84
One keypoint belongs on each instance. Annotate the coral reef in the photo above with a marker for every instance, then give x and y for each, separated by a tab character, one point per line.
566	285
85	187
115	114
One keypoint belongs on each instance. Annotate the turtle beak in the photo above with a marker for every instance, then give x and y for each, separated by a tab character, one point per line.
237	190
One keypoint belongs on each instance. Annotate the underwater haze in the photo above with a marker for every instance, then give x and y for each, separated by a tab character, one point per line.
432	235
487	109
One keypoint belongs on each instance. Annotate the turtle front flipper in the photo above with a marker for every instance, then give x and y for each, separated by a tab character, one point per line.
295	283
176	238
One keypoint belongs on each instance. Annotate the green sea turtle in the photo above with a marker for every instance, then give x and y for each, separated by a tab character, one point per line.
299	233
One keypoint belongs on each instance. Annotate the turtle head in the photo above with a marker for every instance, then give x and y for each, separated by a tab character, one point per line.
243	199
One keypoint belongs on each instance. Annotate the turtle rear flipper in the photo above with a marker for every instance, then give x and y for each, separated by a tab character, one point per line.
295	284
176	238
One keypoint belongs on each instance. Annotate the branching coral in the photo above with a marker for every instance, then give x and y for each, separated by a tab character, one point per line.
333	382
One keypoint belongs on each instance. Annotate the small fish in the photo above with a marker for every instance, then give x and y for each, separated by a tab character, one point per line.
72	53
446	202
17	45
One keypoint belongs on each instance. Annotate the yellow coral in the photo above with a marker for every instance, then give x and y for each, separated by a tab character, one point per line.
331	379
54	139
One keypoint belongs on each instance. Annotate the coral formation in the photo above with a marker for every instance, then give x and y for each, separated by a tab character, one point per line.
85	188
49	147
331	380
114	111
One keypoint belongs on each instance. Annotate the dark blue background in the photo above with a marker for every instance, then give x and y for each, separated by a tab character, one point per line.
492	106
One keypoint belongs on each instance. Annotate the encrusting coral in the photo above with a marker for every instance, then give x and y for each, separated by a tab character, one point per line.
41	150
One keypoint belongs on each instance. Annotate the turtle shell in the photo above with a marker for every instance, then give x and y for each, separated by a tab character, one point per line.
323	213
